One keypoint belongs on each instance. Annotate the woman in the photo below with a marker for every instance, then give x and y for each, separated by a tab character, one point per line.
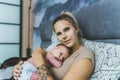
80	63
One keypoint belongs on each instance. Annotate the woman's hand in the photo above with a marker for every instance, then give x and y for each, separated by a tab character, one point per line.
38	56
17	70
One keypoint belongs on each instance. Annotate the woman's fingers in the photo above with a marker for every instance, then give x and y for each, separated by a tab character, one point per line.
15	75
17	70
20	63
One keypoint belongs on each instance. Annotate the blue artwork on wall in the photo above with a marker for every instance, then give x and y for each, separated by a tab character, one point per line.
47	10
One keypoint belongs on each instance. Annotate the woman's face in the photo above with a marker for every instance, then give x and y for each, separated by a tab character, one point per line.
66	33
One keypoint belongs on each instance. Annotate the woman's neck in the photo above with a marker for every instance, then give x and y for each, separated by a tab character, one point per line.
76	47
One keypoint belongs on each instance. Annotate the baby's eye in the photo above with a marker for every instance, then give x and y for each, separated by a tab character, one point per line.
61	53
63	59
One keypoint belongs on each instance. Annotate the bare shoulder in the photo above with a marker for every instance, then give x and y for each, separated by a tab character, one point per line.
81	70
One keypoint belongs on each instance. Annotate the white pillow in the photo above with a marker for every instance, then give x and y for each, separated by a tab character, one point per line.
54	38
6	73
55	41
107	60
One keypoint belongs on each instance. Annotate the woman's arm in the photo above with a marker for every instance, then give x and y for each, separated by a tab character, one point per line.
80	70
38	57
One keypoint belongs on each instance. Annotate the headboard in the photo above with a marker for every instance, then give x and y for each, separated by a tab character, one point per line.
99	21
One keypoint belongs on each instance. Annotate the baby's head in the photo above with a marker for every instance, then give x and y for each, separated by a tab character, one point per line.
58	54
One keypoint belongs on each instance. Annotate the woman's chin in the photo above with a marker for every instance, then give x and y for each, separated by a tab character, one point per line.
69	45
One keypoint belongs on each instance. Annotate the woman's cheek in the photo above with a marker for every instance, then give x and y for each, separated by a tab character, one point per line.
59	38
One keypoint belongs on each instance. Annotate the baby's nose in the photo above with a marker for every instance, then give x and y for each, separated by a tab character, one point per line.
62	59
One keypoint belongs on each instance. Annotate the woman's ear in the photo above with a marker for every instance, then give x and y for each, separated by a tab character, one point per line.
77	29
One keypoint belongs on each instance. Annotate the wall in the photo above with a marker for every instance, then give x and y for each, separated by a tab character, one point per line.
27	28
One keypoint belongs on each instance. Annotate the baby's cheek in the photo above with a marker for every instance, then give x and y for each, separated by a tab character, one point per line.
54	61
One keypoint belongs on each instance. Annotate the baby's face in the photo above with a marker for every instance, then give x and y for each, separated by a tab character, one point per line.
60	52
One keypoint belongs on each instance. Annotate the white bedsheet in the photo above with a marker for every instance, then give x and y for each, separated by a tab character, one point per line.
6	73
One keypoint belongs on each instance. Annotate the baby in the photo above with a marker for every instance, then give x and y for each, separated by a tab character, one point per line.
53	57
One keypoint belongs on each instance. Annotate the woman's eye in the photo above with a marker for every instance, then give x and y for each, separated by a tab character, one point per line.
67	29
58	33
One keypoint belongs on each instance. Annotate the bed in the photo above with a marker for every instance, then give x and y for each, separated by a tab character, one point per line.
100	24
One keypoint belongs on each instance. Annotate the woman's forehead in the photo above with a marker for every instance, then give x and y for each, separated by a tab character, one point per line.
61	25
63	22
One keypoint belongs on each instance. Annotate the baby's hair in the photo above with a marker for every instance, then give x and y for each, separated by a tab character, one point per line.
69	50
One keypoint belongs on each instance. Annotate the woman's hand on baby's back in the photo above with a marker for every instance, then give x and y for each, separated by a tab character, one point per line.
17	70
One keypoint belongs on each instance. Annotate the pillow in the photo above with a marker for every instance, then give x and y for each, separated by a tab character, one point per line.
107	60
6	73
54	42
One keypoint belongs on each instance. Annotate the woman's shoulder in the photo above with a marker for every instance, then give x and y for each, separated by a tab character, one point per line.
84	53
83	50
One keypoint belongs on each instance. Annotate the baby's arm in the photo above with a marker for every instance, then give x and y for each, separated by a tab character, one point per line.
28	69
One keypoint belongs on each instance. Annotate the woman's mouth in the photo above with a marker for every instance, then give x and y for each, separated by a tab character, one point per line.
67	41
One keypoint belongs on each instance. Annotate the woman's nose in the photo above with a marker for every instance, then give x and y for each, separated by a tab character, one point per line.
63	35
